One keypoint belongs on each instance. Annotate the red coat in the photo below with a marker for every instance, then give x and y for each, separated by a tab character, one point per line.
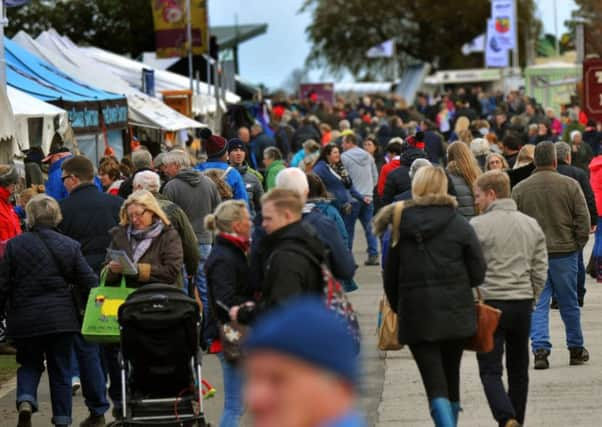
386	170
595	179
9	221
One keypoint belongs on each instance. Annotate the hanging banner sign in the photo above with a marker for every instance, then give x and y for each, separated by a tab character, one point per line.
170	18
502	14
496	56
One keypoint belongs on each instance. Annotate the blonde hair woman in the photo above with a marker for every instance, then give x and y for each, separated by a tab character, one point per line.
463	171
432	264
496	161
149	240
228	284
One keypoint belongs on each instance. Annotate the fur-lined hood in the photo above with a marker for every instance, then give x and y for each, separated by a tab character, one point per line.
384	218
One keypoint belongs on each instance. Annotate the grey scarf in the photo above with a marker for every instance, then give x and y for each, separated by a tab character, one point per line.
140	240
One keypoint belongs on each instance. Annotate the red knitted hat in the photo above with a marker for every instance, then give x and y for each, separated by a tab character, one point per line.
215	146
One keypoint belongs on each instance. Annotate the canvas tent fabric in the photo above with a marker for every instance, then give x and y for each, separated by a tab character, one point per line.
89	109
143	110
131	70
7	128
26	107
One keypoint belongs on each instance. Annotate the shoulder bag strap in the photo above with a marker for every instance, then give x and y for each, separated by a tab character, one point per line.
225	174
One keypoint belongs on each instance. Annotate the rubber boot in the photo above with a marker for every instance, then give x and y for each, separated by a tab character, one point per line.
456	409
442	413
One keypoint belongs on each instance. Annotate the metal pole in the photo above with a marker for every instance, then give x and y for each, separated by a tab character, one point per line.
207	53
3	22
515	56
579	39
556	29
189	38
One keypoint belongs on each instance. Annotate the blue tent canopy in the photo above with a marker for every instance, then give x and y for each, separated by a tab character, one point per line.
89	108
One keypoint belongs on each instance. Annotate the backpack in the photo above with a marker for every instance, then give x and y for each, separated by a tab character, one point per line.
335	297
218	176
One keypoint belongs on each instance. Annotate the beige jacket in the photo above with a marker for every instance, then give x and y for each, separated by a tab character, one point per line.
515	250
558	204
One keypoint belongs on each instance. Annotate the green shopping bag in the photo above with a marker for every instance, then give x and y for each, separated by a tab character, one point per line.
100	318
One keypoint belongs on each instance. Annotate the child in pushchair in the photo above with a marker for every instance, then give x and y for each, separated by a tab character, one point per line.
161	358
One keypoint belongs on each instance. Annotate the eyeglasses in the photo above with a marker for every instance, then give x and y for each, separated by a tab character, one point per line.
137	214
63	178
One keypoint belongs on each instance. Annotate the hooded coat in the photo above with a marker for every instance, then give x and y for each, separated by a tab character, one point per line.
197	195
430	273
362	170
290	260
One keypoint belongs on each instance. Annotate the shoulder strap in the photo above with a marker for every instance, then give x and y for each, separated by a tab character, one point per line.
226	172
397	212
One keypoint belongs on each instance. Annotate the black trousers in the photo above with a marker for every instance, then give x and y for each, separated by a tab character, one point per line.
439	366
512	335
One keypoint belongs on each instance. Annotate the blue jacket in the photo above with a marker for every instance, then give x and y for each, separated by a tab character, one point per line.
335	186
297	158
54	185
233	178
258	145
332	213
33	287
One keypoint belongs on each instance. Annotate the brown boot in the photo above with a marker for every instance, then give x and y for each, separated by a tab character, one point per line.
512	423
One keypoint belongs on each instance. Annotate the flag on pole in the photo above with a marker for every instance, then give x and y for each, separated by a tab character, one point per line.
384	50
170	19
475	45
502	14
495	54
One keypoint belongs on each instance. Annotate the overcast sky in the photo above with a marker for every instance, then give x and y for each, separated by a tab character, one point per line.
271	57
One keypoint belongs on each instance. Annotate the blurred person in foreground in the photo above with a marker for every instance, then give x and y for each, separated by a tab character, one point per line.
517	260
308	381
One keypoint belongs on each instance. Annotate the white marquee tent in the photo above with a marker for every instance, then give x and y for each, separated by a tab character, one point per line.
26	107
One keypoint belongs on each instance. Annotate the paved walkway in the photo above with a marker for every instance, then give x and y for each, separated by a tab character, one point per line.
392	393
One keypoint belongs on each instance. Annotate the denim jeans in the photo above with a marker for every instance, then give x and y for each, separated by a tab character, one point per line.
111	356
511	335
580	276
201	280
233	407
364	213
92	375
562	283
30	355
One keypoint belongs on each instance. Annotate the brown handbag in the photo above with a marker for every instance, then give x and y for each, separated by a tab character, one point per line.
488	318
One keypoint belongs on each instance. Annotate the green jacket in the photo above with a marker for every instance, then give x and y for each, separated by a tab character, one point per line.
179	221
271	172
558	204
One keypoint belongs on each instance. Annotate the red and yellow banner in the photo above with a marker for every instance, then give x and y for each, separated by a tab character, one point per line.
170	18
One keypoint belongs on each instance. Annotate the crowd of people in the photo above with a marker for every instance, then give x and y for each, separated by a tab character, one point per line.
499	194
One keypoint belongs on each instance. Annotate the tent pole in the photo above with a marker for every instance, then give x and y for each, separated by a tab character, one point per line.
3	22
189	38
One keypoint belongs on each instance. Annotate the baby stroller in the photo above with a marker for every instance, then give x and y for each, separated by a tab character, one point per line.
161	358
